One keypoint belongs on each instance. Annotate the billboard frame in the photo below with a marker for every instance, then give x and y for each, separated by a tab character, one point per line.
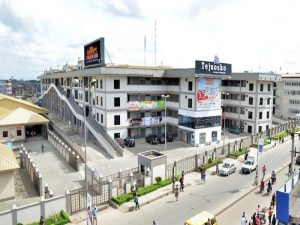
100	61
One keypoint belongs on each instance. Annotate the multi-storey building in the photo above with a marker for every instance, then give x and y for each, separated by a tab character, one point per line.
6	87
248	101
288	96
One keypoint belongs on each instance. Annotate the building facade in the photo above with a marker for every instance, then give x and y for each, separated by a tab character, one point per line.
5	87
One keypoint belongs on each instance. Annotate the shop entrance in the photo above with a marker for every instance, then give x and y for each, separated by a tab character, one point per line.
34	130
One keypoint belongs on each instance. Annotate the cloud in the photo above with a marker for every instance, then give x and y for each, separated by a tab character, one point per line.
123	8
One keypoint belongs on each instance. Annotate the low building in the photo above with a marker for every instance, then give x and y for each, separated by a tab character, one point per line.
20	119
8	165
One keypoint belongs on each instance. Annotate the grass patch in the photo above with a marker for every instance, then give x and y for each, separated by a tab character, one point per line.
280	135
210	163
266	142
60	218
119	200
239	152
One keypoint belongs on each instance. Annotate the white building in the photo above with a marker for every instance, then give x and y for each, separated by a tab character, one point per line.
5	87
288	96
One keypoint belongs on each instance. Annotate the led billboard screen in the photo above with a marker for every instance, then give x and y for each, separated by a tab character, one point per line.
94	53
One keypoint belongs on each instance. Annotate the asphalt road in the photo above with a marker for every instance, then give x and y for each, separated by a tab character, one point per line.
212	196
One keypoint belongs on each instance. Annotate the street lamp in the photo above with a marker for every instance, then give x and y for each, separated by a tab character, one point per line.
225	94
165	97
76	81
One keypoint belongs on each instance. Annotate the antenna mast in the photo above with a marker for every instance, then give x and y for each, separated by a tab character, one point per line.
145	43
155	43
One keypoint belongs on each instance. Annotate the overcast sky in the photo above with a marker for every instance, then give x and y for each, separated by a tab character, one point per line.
252	35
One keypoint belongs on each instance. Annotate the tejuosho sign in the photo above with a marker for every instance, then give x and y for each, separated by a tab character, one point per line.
205	67
94	53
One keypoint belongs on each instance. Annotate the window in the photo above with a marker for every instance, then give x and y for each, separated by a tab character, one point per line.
250	115
268	101
117	102
101	84
5	133
98	117
261	101
250	87
190	103
269	87
190	85
86	96
101	117
259	128
116	135
97	84
261	87
268	114
250	101
97	100
250	129
19	132
76	94
260	115
117	120
116	84
101	101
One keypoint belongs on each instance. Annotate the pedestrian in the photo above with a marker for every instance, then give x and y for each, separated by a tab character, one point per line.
41	221
254	218
90	215
244	219
208	222
273	200
94	213
258	210
270	214
274	221
181	183
201	178
217	169
246	156
203	175
154	223
173	182
176	192
264	169
42	147
182	173
136	201
257	220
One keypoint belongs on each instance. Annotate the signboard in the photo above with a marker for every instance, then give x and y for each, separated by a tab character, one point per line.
145	121
214	68
144	105
94	53
260	145
208	94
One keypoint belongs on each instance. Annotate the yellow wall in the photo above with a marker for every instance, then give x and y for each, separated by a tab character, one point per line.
12	133
7	185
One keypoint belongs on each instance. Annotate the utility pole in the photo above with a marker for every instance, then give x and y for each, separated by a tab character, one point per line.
292	153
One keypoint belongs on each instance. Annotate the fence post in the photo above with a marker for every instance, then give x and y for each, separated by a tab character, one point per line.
42	205
40	183
228	149
14	214
196	161
109	188
21	159
77	163
68	202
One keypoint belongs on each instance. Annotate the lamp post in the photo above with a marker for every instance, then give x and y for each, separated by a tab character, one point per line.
165	97
76	81
225	94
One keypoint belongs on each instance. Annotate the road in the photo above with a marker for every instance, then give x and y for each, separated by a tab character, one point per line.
212	196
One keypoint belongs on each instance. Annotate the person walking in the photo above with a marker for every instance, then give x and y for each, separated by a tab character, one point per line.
154	223
217	169
204	175
254	218
257	220
270	214
173	182
94	213
274	220
244	219
42	147
264	169
41	221
181	183
90	215
176	192
273	200
136	201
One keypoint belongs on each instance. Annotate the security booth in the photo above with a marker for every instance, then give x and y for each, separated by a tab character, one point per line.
155	161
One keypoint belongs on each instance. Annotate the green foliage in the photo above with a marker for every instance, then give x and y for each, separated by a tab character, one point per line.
134	188
119	200
158	179
209	161
19	223
280	135
60	218
208	165
239	152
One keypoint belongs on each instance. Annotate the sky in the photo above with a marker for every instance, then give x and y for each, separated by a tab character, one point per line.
252	35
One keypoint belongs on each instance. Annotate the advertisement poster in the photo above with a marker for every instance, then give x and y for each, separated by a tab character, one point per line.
144	105
145	121
209	94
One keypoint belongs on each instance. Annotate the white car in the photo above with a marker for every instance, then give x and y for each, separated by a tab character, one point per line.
227	169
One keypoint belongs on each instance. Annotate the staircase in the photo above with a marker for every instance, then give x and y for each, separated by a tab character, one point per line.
108	144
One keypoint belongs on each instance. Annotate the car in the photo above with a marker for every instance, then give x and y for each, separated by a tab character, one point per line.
234	130
120	141
161	139
249	164
129	141
169	137
227	168
151	138
298	160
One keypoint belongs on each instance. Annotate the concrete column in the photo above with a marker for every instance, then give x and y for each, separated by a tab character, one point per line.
109	188
77	163
14	214
196	161
40	183
68	202
204	159
228	149
21	159
42	205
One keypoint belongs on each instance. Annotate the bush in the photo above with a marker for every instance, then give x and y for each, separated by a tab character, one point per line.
60	218
158	179
211	164
209	161
239	152
266	142
119	200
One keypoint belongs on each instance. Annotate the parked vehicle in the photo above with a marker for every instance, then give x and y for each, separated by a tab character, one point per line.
201	219
152	139
161	139
129	141
234	130
298	160
249	164
227	169
169	137
120	141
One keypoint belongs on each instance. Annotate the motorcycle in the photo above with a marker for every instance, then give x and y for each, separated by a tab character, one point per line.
273	179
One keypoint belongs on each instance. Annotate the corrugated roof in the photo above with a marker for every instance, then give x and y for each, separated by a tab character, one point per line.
22	116
7	159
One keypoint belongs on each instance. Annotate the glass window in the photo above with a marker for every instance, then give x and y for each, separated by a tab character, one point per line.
117	102
261	87
116	135
261	101
101	84
19	132
117	120
101	117
269	87
190	85
197	123
5	134
250	101
268	114
250	115
250	87
116	84
190	103
260	115
101	101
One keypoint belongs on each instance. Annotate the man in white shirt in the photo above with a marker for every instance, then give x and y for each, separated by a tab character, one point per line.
244	219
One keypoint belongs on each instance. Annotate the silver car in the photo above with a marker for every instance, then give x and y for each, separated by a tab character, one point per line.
227	168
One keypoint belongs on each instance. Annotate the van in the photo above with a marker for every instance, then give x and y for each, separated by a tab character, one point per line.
234	130
249	164
201	219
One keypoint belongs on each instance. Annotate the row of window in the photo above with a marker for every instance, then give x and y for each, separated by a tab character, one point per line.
261	87
261	101
292	92
5	133
260	115
294	111
202	122
294	101
292	83
152	81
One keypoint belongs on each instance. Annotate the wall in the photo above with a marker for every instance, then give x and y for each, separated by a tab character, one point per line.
7	185
12	133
